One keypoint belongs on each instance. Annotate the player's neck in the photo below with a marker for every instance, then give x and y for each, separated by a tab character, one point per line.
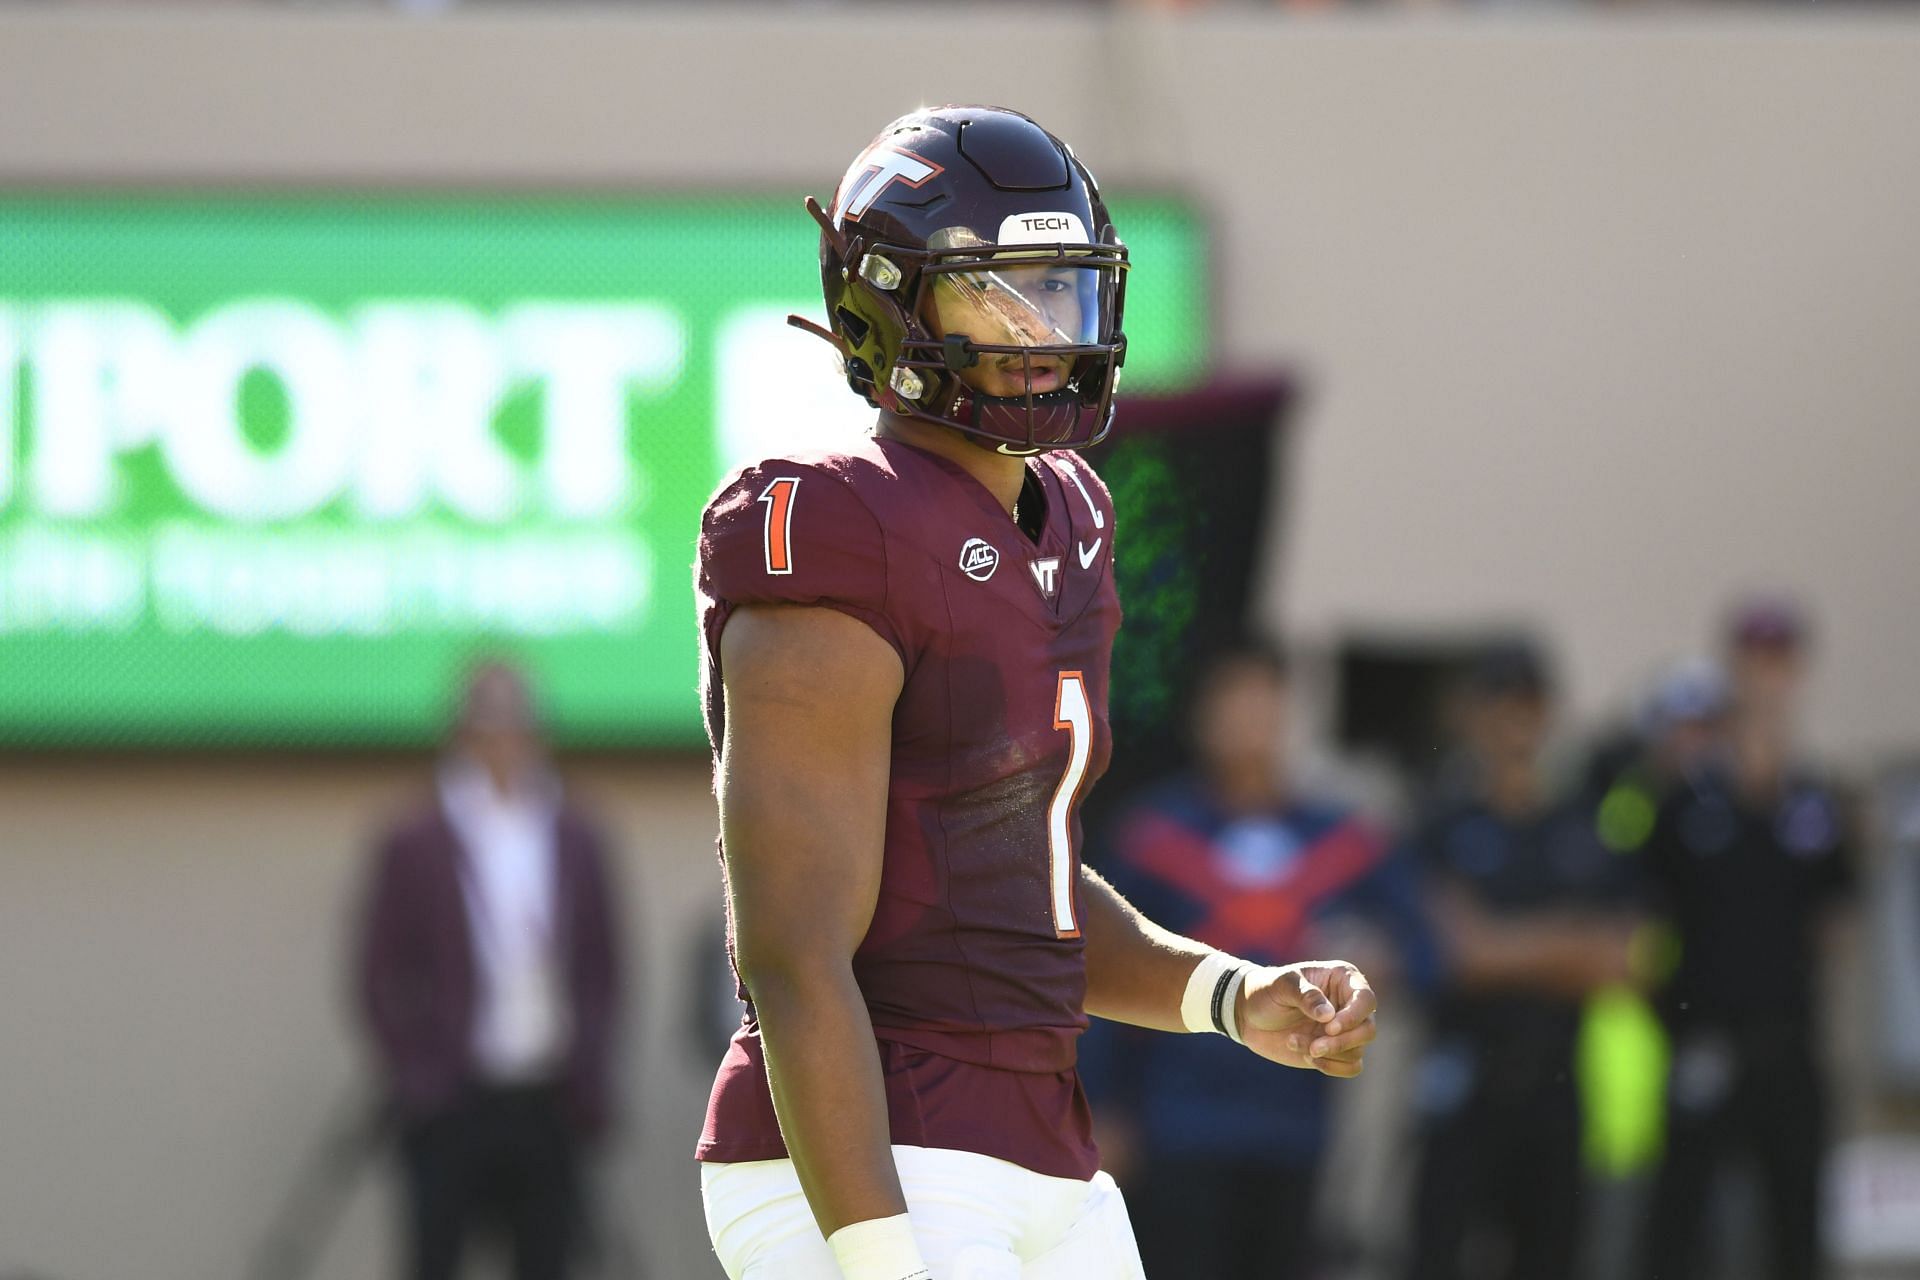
1001	474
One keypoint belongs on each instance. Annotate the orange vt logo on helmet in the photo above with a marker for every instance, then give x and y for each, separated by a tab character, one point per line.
877	169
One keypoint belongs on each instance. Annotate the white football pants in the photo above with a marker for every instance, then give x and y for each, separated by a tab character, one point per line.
975	1217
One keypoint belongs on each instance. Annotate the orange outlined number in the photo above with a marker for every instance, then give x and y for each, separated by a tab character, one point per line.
1073	713
779	499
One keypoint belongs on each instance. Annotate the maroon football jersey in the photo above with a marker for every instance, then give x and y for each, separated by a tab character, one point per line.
973	967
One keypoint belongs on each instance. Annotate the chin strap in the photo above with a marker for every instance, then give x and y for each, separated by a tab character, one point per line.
827	228
820	331
881	395
846	250
840	247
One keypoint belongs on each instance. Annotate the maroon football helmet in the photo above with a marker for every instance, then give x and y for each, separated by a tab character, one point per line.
974	280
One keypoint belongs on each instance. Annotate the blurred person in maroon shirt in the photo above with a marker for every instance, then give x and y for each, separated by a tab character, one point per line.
489	981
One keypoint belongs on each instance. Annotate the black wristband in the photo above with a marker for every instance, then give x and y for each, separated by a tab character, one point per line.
1220	989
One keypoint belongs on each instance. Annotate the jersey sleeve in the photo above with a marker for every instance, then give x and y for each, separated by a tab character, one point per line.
793	533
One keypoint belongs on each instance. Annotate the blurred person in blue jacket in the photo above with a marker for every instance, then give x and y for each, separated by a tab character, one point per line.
1534	913
1222	1157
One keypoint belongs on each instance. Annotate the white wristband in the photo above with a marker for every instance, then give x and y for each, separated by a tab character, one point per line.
1211	1001
878	1249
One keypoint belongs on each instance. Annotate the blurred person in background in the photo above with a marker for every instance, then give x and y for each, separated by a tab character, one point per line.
1750	856
1679	727
1224	1156
1534	913
1623	1055
1685	721
489	979
1679	730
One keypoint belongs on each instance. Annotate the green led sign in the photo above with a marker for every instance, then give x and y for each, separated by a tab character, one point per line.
272	468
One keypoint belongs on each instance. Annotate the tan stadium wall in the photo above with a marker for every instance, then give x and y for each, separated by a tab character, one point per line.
1603	315
176	1028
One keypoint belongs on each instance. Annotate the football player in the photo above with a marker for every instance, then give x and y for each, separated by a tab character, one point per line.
906	656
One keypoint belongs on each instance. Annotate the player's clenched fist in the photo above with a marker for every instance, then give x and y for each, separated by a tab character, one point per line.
1317	1014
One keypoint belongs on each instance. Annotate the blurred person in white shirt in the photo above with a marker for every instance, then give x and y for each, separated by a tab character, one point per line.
489	981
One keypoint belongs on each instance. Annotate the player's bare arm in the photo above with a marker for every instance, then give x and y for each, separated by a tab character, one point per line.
1136	970
803	792
1318	1015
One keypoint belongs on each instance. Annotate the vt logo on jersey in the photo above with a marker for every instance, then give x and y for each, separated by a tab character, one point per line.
1046	575
979	558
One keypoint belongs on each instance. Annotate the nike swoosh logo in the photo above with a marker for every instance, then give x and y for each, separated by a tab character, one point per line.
1087	553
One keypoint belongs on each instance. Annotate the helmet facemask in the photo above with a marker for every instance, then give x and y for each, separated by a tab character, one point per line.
1017	346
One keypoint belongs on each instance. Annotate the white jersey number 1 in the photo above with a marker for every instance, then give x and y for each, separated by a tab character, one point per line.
1072	713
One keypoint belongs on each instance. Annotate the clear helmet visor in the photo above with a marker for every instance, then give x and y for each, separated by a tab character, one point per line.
1014	304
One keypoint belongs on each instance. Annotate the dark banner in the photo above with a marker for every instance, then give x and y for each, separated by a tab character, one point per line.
1193	477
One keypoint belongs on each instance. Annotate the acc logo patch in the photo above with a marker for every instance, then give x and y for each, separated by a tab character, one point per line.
979	558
